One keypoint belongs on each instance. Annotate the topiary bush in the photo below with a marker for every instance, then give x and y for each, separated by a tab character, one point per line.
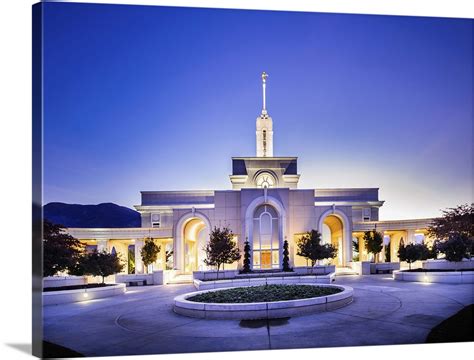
286	258
246	268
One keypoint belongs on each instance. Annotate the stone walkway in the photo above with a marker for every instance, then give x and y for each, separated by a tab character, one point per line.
384	311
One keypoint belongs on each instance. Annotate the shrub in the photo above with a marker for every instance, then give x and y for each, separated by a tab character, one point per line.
246	268
286	259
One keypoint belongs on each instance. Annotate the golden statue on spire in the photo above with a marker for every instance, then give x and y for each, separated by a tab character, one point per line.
264	77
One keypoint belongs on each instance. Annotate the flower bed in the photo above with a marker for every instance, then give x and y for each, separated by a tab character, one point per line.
264	293
234	308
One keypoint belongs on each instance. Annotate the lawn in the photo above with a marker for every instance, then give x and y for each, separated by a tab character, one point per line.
264	293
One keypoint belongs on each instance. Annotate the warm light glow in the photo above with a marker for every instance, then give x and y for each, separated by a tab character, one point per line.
86	294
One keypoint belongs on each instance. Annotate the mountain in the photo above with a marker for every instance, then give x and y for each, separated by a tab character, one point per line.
106	215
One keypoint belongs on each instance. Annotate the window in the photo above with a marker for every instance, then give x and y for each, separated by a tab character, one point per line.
156	220
366	214
265	180
266	239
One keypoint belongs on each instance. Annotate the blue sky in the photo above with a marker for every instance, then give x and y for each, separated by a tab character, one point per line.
156	98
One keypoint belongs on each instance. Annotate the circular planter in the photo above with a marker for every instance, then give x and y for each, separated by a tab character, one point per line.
445	277
70	296
261	310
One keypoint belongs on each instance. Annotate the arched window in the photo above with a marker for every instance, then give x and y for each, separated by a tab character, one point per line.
266	238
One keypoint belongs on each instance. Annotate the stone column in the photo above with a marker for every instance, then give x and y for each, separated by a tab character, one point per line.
138	259
102	245
387	240
410	237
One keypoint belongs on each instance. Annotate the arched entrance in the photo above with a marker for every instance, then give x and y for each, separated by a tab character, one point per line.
192	234
265	229
266	238
196	235
335	229
332	233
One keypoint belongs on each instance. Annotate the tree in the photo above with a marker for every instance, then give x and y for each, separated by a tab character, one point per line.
99	264
454	232
286	258
373	242
149	252
414	252
310	247
246	268
60	250
221	248
456	247
458	220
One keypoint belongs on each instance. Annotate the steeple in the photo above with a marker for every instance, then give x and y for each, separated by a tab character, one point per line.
264	126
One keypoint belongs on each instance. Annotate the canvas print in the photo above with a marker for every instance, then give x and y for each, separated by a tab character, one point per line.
221	180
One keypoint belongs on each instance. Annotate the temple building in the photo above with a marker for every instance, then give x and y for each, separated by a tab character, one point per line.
263	205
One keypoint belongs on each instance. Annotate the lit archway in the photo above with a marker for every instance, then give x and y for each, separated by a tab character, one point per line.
277	216
334	225
191	235
333	233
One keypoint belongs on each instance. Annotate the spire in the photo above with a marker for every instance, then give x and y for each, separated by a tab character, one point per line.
264	126
264	85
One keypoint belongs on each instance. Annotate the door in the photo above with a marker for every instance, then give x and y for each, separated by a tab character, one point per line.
266	260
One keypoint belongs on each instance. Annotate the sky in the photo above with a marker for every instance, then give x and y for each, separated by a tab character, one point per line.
160	98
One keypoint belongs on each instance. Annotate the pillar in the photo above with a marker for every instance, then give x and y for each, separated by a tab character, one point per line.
387	241
138	259
362	256
102	245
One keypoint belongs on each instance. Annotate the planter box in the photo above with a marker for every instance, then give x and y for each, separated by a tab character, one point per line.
168	275
445	277
377	268
443	264
262	310
146	279
317	270
70	296
59	281
212	274
241	282
361	267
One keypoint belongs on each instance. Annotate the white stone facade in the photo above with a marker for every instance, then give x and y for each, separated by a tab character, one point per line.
264	206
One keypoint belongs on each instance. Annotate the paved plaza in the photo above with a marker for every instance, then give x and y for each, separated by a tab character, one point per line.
384	311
